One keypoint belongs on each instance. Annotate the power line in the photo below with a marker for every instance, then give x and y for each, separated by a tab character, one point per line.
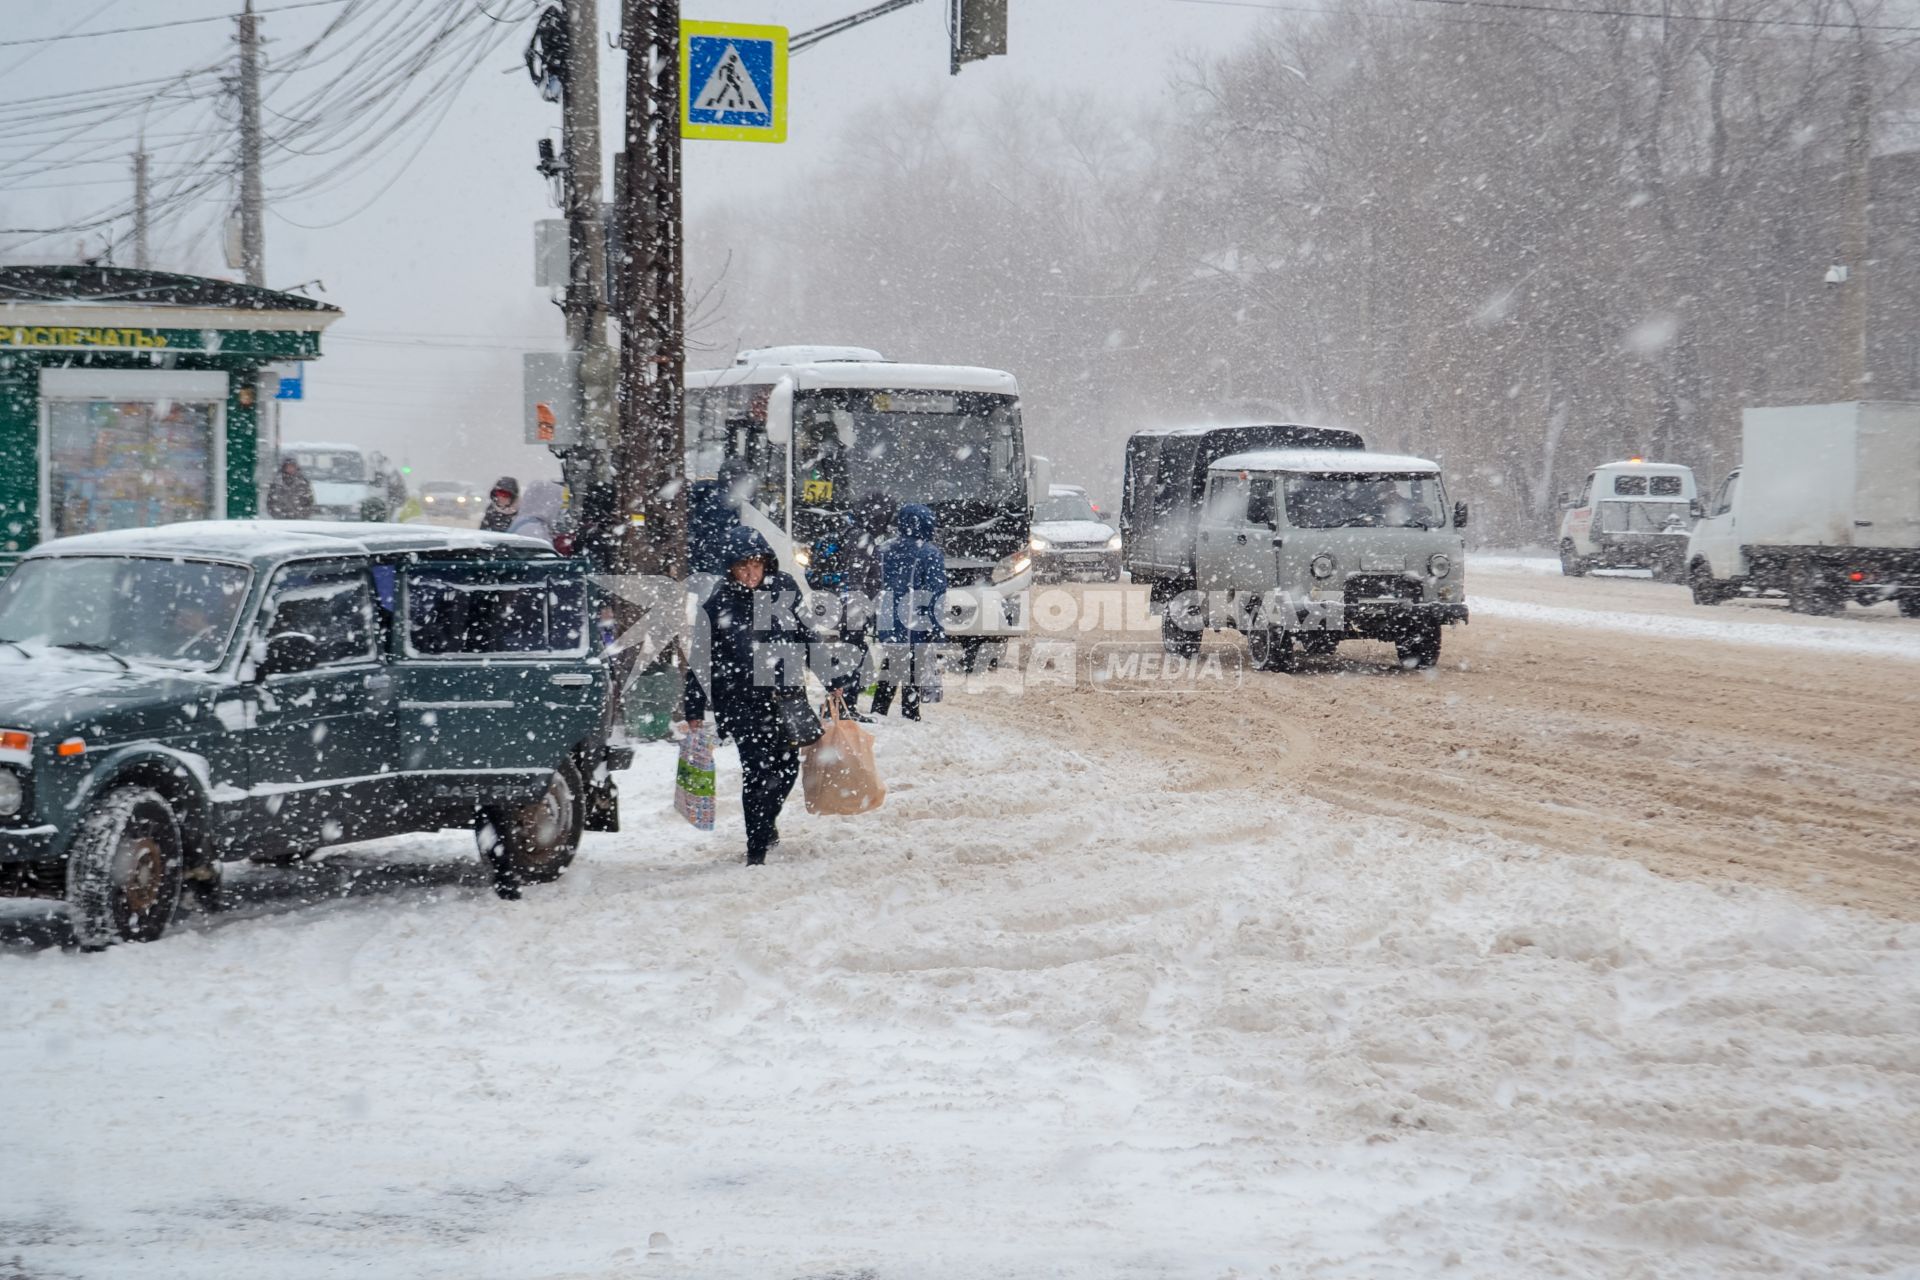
1571	11
156	26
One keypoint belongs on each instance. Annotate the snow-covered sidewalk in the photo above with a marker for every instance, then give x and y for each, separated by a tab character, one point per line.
1043	1015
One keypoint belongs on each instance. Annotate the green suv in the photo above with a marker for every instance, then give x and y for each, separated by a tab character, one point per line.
177	697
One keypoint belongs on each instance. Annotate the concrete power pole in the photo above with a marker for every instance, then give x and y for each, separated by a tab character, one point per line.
140	200
649	458
253	249
1857	234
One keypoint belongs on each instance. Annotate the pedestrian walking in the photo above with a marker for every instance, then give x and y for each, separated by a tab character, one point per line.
848	564
713	512
755	661
913	575
502	506
290	496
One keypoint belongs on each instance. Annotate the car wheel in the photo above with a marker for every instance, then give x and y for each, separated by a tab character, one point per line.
534	842
1571	565
1910	606
1419	647
125	870
1180	629
1808	592
1271	649
1701	581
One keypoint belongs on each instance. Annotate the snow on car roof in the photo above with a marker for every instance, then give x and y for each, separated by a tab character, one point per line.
1641	464
251	540
864	376
1321	460
321	446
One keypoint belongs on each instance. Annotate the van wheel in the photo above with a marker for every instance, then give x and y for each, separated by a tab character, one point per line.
1271	649
534	842
1571	565
125	870
1175	635
1705	589
1910	606
1319	644
1419	647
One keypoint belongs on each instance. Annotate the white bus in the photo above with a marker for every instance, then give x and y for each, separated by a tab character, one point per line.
828	428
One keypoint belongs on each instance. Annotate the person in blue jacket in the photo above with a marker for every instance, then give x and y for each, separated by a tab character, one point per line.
713	511
756	646
913	578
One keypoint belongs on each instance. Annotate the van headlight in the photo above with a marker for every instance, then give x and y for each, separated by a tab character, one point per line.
1439	564
1113	543
1322	566
1012	567
13	793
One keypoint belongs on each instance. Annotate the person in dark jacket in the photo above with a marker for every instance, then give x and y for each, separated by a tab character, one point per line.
503	506
756	646
913	576
847	562
290	496
713	512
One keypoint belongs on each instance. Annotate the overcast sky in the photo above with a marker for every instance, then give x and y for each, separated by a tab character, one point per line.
435	274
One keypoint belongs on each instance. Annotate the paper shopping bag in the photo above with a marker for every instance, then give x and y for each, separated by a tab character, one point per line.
838	775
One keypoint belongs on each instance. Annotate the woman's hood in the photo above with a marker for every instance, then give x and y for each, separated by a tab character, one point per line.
916	521
744	542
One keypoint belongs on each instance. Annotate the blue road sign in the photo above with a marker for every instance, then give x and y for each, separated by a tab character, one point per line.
733	81
293	386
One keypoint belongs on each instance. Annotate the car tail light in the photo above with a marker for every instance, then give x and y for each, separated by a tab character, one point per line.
1857	576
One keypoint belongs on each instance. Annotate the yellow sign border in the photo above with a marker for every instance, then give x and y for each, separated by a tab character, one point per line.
777	132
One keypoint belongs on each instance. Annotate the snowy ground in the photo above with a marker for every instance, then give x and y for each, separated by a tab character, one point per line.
1052	1012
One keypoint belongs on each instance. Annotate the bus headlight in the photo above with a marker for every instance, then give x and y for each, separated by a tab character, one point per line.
1322	566
12	793
802	557
1439	564
1113	543
1012	567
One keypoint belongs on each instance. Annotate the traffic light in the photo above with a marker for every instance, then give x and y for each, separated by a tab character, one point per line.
979	30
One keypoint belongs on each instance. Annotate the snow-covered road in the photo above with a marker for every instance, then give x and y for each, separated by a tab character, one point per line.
1054	1011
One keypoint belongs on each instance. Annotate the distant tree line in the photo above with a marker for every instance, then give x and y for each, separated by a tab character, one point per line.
1521	243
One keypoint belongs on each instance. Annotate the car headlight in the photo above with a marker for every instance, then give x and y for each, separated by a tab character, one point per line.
1439	564
1113	543
427	501
1038	543
13	793
1012	567
1322	566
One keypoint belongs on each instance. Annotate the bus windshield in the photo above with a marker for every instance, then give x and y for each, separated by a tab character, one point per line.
909	446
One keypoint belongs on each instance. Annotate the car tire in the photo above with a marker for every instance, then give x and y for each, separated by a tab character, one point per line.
1706	589
1180	630
125	870
535	842
1419	647
1271	649
1571	565
1809	593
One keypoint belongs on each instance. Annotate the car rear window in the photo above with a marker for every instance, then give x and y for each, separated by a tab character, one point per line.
1630	486
1664	486
499	614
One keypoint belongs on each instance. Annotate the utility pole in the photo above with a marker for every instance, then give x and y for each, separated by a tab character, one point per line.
1857	233
140	224
253	249
587	466
649	457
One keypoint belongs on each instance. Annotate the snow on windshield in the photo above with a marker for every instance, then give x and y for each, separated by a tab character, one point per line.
168	611
1362	501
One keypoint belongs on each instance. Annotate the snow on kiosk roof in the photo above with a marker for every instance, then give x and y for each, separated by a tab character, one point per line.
1341	460
253	541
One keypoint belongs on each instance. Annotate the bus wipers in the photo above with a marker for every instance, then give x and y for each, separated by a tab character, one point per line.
87	646
17	647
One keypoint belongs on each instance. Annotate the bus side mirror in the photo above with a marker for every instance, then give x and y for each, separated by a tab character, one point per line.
780	412
1459	515
1039	475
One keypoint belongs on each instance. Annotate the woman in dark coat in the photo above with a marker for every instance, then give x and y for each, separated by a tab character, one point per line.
503	504
913	575
757	645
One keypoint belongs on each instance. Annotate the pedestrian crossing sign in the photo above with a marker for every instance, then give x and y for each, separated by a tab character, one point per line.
733	82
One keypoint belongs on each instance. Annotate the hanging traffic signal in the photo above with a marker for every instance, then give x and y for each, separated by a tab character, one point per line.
979	30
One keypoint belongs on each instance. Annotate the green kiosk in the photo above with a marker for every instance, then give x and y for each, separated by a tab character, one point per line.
131	398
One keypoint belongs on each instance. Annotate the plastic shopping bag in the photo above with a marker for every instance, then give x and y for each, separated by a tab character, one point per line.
838	774
693	780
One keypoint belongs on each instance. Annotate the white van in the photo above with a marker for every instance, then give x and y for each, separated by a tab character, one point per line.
346	483
1630	515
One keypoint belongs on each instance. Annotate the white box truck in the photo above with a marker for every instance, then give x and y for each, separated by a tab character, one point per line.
1824	507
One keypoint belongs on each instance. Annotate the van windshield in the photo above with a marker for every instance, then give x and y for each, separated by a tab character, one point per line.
1366	501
